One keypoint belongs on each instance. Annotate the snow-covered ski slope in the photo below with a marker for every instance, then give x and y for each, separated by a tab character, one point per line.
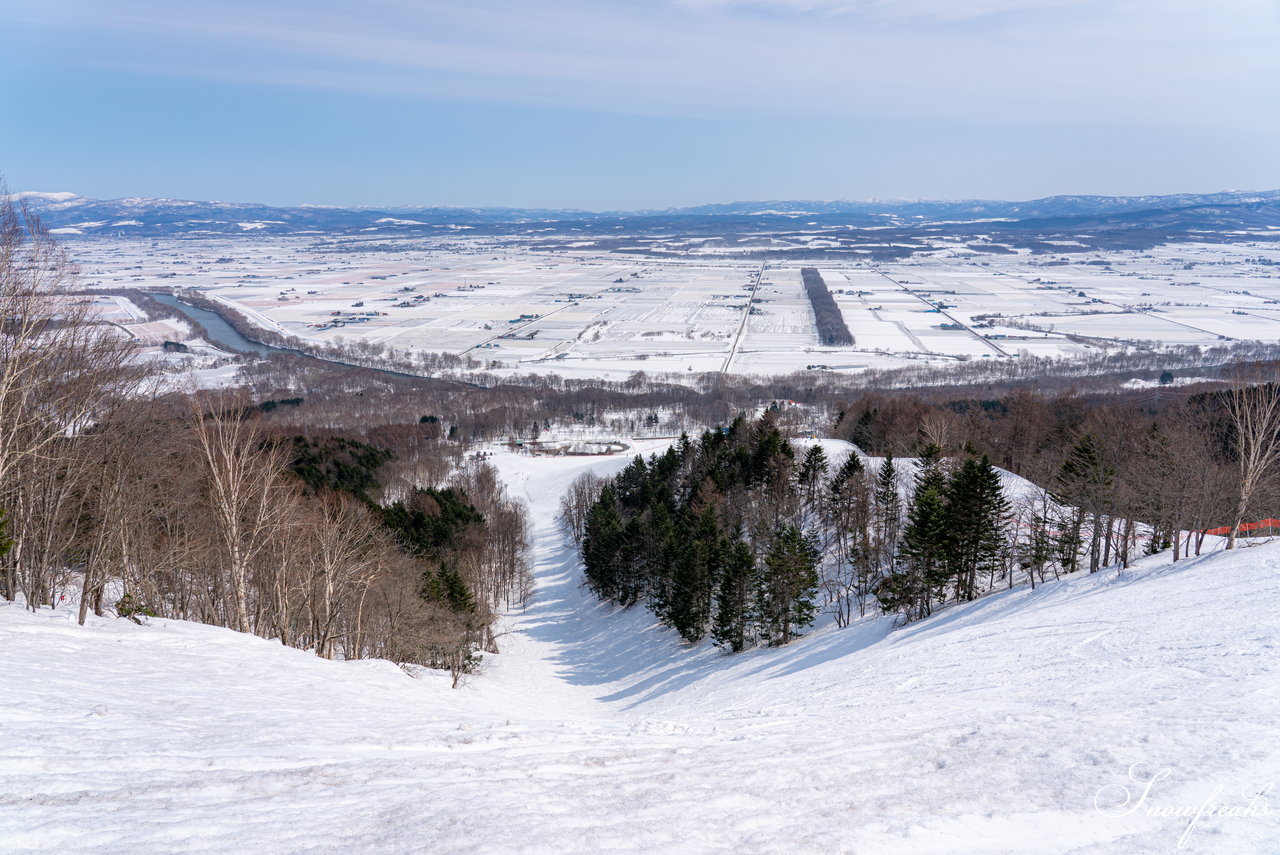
1009	725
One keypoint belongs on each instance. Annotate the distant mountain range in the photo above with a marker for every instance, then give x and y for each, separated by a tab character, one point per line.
69	214
978	209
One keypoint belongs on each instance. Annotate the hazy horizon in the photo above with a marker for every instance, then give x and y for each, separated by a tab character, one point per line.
627	105
412	206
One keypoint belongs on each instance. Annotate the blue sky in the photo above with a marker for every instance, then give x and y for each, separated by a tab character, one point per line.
614	104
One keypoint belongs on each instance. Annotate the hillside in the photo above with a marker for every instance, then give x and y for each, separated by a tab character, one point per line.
72	215
991	727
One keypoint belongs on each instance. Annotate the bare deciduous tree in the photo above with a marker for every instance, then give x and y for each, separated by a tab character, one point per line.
576	503
244	487
59	368
1253	404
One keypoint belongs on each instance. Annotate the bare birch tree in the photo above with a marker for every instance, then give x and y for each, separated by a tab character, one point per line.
1254	409
59	366
245	488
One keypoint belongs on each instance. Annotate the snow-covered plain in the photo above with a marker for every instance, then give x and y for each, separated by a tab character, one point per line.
1008	725
581	312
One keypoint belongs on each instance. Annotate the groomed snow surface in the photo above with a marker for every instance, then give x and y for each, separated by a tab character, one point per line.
1011	724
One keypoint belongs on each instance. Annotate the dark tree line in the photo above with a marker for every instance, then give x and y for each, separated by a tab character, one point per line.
345	399
832	330
741	537
955	536
709	537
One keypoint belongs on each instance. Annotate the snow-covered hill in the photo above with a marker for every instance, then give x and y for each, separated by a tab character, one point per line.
70	214
1011	724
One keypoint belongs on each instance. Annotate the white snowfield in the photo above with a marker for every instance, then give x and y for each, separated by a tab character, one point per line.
1016	724
516	307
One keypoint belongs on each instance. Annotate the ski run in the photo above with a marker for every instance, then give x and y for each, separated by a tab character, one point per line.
1120	712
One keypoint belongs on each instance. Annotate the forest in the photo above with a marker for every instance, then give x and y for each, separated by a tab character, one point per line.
229	509
746	536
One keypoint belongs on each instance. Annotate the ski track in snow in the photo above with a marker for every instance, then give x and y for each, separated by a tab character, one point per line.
989	728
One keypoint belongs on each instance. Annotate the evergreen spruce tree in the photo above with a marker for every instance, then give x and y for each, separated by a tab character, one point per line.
735	602
1068	541
601	542
629	579
898	592
812	472
1040	546
847	516
845	496
1082	485
1158	508
696	572
771	454
922	569
789	586
683	446
861	435
630	484
888	512
653	559
845	476
978	512
928	457
662	592
446	586
1082	469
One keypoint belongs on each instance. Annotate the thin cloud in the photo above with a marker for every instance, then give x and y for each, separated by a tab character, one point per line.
942	9
1176	62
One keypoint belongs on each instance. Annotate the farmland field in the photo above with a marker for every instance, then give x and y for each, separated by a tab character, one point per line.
516	308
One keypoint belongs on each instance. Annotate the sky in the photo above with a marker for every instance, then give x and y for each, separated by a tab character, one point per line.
625	104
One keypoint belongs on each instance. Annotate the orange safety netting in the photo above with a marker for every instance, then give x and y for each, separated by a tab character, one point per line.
1254	526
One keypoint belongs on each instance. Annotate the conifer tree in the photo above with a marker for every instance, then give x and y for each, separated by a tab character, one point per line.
662	591
734	597
922	558
888	513
927	458
1040	547
629	562
812	473
771	456
600	544
1082	484
652	560
978	512
630	483
861	435
845	476
697	569
683	446
848	516
445	585
789	585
